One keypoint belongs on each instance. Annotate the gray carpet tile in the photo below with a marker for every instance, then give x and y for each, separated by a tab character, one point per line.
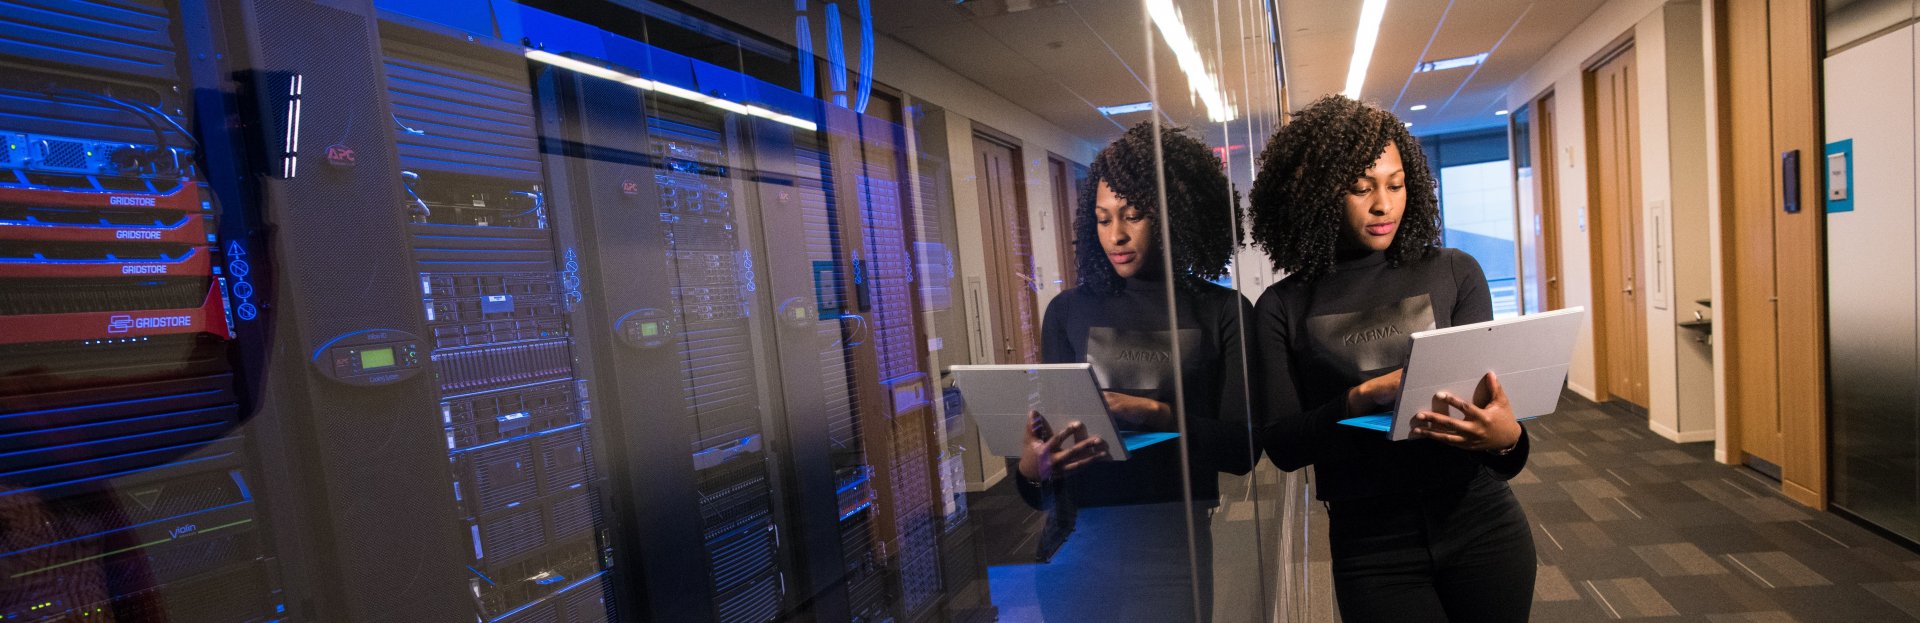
1627	525
1644	528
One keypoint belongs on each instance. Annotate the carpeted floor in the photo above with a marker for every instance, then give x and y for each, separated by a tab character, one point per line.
1628	526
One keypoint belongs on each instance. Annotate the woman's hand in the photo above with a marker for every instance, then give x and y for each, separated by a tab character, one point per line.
1487	427
1142	413
1046	456
1375	395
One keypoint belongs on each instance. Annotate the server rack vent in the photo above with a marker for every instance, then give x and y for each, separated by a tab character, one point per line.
128	37
461	108
821	228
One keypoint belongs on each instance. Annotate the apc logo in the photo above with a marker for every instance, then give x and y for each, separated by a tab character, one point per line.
119	323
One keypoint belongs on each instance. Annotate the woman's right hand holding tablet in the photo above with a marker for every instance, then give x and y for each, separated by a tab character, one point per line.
1047	455
1375	395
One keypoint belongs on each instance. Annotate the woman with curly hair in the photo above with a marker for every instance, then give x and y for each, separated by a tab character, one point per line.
1420	530
1133	512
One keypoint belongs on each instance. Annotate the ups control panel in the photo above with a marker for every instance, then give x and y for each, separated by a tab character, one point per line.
367	358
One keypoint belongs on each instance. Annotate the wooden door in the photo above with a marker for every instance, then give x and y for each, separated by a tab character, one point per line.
1775	314
1751	309
1546	189
1010	281
1621	315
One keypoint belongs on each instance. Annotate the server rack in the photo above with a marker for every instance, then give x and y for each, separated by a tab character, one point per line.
497	296
596	140
436	424
125	487
899	424
798	466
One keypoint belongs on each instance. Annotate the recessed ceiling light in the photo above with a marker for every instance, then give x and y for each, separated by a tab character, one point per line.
1126	108
1409	124
1200	80
597	71
1499	113
1451	63
1418	107
1371	14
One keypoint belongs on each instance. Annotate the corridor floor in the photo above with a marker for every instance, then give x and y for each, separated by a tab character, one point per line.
1629	525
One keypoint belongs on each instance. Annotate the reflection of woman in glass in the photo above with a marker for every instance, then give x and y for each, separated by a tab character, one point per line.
1117	320
1421	530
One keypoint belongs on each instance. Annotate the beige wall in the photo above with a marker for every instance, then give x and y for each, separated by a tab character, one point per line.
1673	160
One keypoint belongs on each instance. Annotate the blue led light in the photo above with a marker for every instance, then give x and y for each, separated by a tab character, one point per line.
111	259
125	527
542	600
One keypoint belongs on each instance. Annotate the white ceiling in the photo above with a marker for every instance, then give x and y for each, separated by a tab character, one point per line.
1515	33
1063	59
1060	59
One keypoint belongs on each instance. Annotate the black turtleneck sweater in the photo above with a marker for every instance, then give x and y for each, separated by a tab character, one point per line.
1126	338
1319	338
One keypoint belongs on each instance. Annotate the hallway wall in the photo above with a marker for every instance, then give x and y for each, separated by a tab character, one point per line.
1668	45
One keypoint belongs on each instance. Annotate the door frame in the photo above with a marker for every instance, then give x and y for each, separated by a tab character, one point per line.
1545	188
1066	199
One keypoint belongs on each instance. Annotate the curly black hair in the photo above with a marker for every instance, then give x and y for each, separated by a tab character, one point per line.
1299	196
1204	209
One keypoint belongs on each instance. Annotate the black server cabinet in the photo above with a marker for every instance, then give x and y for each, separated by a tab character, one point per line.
498	295
670	287
425	376
809	281
126	488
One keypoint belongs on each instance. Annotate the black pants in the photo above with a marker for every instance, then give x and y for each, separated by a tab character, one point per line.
1460	554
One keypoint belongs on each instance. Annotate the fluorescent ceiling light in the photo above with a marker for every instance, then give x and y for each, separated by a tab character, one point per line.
663	88
1363	39
1418	107
1451	63
1199	80
1499	113
1409	124
1126	108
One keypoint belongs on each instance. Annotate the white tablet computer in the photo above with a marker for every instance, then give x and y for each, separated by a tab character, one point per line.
1531	354
998	398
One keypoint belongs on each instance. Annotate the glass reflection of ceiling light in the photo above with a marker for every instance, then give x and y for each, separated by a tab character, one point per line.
1202	82
1126	108
1363	39
663	88
1451	63
1418	107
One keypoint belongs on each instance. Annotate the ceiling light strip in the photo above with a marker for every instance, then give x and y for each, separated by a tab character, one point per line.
663	88
1204	85
1371	14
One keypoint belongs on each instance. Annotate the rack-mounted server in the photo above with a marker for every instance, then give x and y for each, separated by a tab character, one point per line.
128	492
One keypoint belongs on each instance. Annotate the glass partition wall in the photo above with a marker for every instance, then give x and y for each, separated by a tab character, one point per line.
631	311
